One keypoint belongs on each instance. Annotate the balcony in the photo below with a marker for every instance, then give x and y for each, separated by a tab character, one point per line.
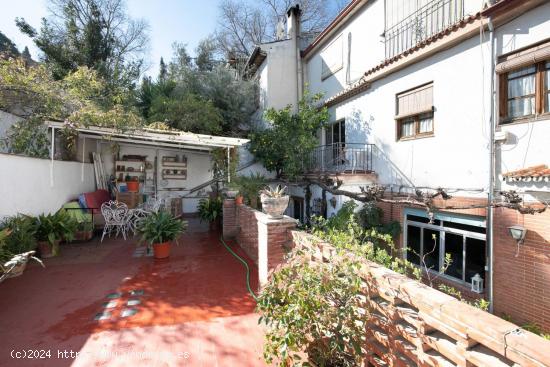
354	158
425	22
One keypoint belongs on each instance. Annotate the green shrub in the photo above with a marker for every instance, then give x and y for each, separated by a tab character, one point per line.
22	234
161	227
314	307
249	187
210	209
53	228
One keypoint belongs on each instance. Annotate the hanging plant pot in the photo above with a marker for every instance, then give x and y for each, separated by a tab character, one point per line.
274	206
47	249
161	250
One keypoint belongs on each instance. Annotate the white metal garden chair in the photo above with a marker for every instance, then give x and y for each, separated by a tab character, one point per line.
140	213
116	216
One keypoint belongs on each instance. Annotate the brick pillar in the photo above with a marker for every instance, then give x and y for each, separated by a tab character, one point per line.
230	225
274	240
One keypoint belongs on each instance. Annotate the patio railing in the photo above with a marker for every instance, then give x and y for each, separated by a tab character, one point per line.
432	18
339	158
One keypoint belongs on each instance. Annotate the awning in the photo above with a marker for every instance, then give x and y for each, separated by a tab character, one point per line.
160	138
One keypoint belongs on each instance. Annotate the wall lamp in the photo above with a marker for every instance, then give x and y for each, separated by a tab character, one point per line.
518	233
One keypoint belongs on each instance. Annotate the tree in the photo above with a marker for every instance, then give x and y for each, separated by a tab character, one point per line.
243	24
7	47
26	55
163	71
188	113
285	146
206	55
94	33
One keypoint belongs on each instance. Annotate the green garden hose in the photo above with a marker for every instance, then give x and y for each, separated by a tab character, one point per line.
245	265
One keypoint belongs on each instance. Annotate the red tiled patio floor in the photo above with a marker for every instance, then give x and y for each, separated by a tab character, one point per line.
195	310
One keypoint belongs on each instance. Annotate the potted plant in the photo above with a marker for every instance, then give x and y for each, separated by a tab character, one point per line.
249	188
274	201
52	229
17	246
232	190
211	210
159	229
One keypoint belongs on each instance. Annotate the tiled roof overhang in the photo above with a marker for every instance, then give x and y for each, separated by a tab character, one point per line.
540	173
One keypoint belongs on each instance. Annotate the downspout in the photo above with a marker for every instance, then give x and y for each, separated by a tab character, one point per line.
299	66
492	156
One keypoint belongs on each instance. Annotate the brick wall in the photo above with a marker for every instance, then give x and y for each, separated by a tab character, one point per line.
265	240
522	283
409	324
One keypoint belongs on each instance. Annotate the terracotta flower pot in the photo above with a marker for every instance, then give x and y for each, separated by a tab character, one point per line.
161	250
47	250
133	186
239	200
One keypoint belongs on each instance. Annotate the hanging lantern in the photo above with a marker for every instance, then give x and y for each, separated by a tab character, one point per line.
477	284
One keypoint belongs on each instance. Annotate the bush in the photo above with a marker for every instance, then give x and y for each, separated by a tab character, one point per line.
160	227
316	308
210	209
22	234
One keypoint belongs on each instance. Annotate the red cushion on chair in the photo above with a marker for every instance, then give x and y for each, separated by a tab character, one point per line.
96	198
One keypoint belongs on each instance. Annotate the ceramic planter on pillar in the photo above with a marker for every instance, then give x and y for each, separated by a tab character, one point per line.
274	206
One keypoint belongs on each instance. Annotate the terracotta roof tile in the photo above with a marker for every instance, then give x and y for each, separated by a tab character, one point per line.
535	173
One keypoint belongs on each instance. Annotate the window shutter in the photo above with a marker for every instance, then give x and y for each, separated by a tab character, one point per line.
414	102
525	58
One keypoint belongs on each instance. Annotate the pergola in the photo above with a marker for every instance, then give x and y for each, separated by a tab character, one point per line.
151	137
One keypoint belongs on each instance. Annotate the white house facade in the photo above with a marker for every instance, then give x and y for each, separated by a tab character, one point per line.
439	94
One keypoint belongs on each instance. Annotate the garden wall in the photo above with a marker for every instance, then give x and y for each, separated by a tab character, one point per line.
265	240
410	324
34	186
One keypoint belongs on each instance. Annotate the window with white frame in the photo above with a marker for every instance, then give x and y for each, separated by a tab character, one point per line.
332	57
414	113
462	237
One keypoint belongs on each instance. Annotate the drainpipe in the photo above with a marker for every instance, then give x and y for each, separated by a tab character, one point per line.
490	210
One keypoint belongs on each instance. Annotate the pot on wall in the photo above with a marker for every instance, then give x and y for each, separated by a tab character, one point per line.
274	207
231	194
239	200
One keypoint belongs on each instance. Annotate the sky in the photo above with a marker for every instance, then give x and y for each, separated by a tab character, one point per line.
185	21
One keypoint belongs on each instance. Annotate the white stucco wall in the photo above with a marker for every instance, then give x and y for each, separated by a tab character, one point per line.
281	74
529	142
26	186
367	49
457	154
198	169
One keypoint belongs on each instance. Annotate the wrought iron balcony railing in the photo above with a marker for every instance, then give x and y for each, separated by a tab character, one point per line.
432	18
340	158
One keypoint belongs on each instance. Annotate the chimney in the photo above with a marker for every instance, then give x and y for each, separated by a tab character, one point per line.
293	22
